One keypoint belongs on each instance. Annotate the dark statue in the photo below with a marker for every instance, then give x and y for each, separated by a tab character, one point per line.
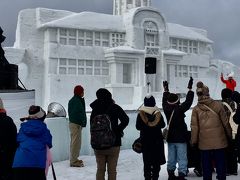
8	72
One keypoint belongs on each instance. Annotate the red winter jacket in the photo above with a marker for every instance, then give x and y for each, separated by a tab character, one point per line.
230	83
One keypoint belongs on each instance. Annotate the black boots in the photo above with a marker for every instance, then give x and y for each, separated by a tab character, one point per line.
181	176
171	175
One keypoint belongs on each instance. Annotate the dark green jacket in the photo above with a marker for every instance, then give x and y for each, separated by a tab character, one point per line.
76	111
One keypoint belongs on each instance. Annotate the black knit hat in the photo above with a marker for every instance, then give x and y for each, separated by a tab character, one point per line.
172	98
149	101
226	93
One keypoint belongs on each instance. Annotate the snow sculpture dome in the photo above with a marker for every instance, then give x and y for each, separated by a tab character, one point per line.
56	110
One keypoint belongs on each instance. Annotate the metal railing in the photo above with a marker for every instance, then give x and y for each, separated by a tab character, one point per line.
152	50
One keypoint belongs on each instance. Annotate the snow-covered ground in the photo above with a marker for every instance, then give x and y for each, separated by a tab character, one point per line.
130	167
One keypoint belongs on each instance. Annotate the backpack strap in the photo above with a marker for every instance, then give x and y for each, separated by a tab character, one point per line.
170	119
226	134
228	106
233	125
232	112
211	110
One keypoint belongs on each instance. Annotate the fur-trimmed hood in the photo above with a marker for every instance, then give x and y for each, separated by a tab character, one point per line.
149	110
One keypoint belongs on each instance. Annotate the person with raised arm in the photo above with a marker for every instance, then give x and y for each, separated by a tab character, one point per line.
177	131
230	82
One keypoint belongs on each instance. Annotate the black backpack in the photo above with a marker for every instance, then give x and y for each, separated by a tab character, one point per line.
102	135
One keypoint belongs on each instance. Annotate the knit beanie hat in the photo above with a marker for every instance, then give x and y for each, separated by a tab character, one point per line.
202	90
78	90
226	93
149	101
172	98
103	94
36	112
1	104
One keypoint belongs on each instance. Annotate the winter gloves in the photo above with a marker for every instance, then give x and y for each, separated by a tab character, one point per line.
165	86
190	83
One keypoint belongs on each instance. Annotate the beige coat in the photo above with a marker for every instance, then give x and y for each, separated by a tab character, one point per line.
209	130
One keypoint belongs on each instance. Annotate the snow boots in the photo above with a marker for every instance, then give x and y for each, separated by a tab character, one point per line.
181	176
171	175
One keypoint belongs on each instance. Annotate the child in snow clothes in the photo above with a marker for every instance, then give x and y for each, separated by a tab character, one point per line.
210	131
33	137
104	104
177	133
231	153
150	122
230	82
8	143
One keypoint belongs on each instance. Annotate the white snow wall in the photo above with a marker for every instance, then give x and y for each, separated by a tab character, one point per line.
61	138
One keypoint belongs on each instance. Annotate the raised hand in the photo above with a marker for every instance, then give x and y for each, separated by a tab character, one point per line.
165	86
190	83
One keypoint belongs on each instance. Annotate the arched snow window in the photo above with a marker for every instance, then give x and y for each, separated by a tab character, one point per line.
151	33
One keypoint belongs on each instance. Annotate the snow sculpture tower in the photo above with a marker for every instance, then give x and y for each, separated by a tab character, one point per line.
122	6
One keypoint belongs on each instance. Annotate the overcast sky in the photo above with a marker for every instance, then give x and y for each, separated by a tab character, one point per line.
219	17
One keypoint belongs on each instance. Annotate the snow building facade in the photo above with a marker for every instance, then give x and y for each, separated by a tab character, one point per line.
57	49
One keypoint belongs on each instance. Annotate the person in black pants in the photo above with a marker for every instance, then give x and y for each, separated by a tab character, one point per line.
236	119
149	123
194	157
230	107
8	143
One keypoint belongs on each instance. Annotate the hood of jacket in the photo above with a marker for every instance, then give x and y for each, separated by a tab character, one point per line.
33	127
204	101
149	110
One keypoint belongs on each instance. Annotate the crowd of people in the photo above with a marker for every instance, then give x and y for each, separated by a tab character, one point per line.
214	139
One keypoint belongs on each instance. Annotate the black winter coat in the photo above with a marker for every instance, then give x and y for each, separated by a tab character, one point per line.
178	129
115	113
8	144
236	119
151	138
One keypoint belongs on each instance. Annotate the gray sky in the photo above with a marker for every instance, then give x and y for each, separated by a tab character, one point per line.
219	17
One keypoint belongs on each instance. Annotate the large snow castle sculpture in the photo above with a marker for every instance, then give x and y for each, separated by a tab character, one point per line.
57	49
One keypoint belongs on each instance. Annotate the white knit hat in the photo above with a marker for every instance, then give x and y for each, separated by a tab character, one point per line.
1	104
231	74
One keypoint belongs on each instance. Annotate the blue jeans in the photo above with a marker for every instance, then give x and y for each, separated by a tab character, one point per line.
177	153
